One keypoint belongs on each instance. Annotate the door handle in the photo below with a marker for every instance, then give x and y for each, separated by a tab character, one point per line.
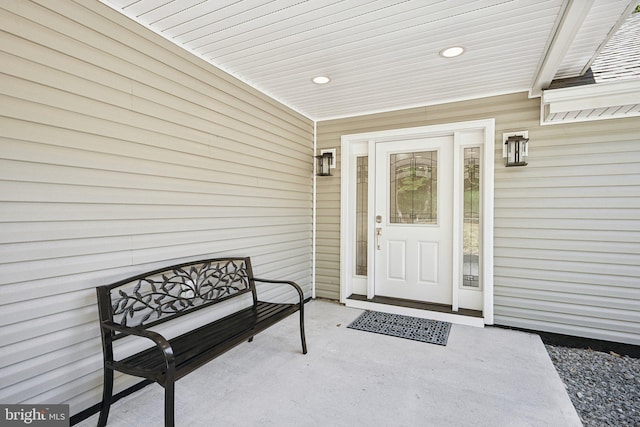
378	235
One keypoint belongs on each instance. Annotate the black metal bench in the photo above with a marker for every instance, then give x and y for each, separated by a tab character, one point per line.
132	307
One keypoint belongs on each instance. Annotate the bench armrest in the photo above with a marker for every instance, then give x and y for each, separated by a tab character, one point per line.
300	305
160	341
287	282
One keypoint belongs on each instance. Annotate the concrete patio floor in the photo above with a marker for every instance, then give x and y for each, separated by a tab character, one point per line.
483	377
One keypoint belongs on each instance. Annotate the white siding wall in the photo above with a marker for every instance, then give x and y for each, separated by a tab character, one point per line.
567	226
119	153
567	248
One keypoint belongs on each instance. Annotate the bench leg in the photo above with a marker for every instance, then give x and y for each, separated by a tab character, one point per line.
107	393
304	341
169	395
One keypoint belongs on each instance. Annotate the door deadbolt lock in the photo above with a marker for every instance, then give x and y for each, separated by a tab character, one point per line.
378	219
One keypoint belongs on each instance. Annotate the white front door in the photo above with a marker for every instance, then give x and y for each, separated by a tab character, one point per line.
431	188
414	210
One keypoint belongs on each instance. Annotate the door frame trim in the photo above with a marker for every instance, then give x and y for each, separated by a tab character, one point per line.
487	126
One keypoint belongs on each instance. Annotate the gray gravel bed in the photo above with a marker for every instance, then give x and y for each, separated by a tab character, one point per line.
604	387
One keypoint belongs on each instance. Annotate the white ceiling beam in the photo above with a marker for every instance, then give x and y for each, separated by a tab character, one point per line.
572	19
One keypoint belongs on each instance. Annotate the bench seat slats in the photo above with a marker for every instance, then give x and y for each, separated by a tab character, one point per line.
214	338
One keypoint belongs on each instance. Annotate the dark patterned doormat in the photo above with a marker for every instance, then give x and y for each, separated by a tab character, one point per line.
397	325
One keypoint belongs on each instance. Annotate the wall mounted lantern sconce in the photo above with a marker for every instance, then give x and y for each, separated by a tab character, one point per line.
325	162
516	148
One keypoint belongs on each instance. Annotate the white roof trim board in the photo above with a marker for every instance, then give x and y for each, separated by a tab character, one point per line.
591	102
572	18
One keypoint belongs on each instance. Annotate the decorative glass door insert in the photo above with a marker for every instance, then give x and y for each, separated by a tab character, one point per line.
413	188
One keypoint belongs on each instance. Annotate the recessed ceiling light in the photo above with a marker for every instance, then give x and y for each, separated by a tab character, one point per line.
452	52
321	80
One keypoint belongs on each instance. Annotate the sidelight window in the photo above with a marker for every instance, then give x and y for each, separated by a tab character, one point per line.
471	224
362	209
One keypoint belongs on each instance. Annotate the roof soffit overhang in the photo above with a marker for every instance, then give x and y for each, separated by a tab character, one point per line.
601	101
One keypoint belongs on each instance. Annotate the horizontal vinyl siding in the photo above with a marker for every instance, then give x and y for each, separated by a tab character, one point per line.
121	153
566	227
567	255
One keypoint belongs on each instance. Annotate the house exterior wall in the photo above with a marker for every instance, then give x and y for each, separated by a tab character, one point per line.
120	153
566	227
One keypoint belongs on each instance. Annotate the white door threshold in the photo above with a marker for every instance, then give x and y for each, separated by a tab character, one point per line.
458	319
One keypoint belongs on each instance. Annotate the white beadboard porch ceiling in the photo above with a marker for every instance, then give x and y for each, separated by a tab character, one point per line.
383	55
